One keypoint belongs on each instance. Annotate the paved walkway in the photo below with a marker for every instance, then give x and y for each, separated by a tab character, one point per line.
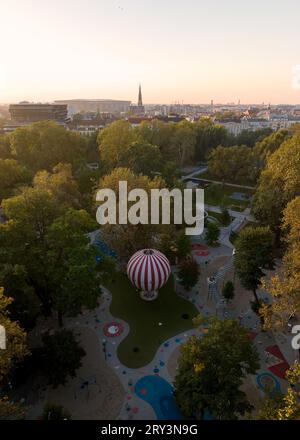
195	172
218	182
242	215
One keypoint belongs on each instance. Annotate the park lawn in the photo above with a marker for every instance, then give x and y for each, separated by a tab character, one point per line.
218	216
143	318
219	195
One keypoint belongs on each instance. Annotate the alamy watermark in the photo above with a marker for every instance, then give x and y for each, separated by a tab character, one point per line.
296	339
133	207
2	338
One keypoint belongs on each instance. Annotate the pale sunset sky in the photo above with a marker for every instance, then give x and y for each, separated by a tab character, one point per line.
180	50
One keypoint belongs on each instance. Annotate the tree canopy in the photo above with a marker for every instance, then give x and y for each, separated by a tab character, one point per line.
43	145
212	368
279	183
254	252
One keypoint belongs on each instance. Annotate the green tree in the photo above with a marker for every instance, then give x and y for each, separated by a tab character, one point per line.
188	273
254	252
158	133
60	357
51	245
208	136
183	246
284	286
127	239
228	290
232	164
225	218
114	141
60	184
5	152
25	307
184	142
212	369
270	144
43	145
279	183
249	137
212	233
16	350
142	158
12	175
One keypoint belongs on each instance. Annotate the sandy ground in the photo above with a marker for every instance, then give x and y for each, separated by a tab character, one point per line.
96	393
242	297
207	271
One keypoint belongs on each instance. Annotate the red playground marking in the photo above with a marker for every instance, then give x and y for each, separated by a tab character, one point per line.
280	368
113	329
253	335
201	250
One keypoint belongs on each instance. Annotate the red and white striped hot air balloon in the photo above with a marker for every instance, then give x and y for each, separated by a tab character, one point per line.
148	270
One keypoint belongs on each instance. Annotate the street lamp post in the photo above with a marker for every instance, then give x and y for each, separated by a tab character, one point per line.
104	342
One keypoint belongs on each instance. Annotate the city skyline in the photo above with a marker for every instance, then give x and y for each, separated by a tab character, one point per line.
191	52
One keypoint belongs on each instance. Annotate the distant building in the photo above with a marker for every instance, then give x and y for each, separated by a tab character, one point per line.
95	105
87	127
138	109
90	122
26	113
31	112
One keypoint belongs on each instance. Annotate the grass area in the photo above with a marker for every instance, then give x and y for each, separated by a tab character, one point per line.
218	216
143	317
219	195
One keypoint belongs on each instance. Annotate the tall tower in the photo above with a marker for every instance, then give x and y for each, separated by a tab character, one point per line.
140	100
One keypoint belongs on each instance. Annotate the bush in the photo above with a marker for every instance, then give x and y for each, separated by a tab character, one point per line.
225	218
212	233
228	290
55	412
188	273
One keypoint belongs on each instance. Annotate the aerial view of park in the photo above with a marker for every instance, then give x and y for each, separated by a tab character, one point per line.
149	217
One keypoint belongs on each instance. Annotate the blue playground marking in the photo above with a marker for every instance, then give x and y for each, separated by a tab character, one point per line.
159	394
104	249
161	363
207	415
277	387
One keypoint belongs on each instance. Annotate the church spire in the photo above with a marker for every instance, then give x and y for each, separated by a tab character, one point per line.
140	100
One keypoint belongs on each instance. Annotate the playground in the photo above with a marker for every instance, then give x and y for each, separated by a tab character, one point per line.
133	344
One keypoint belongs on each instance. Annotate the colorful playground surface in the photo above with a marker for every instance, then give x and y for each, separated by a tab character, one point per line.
201	250
159	394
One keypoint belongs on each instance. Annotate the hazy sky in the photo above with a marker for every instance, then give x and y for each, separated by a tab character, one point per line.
190	50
